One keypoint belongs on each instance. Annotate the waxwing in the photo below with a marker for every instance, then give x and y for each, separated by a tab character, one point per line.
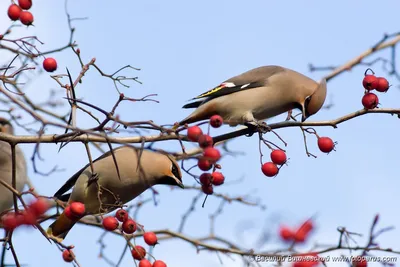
6	196
133	179
257	95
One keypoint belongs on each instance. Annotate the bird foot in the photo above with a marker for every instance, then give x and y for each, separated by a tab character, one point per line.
258	126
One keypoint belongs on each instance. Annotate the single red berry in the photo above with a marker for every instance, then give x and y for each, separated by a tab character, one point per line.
159	263
370	82
359	261
205	178
325	144
370	101
278	157
286	233
14	12
383	85
217	178
269	169
193	133
39	207
67	255
204	164
207	189
205	141
110	223
138	253
150	238
122	215
129	226
26	18
77	209
20	218
25	4
50	64
9	221
212	154
145	263
216	121
69	214
308	260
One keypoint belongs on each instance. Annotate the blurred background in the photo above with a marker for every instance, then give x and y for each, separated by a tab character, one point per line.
185	48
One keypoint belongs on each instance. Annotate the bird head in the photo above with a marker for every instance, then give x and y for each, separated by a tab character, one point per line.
172	174
313	103
5	126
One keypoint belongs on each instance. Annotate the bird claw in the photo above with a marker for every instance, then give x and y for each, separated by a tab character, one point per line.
258	126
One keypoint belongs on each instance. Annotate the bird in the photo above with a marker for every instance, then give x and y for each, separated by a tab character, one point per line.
138	169
21	179
258	94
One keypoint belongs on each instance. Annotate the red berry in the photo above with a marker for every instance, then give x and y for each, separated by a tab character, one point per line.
370	101
67	255
207	189
159	263
383	85
129	226
145	263
28	217
14	12
205	178
25	4
138	253
50	64
193	133
370	82
26	18
77	209
121	215
217	178
269	169
205	141
110	223
359	261
308	260
325	144
69	214
216	121
307	226
150	238
39	207
9	221
204	164
286	233
212	154
278	157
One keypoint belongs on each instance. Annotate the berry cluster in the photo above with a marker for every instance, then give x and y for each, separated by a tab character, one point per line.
129	226
29	216
299	235
210	155
17	12
370	83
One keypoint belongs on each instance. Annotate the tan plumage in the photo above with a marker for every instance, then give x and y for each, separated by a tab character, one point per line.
154	168
6	196
259	94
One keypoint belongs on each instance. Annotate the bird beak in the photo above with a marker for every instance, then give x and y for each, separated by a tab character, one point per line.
180	184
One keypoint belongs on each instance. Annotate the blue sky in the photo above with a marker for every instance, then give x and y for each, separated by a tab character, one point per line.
185	48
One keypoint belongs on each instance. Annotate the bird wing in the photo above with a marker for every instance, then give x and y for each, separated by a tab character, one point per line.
251	79
71	181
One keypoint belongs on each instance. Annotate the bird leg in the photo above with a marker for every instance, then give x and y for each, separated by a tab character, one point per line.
289	114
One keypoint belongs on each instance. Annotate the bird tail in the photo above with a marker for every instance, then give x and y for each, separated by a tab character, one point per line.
60	227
